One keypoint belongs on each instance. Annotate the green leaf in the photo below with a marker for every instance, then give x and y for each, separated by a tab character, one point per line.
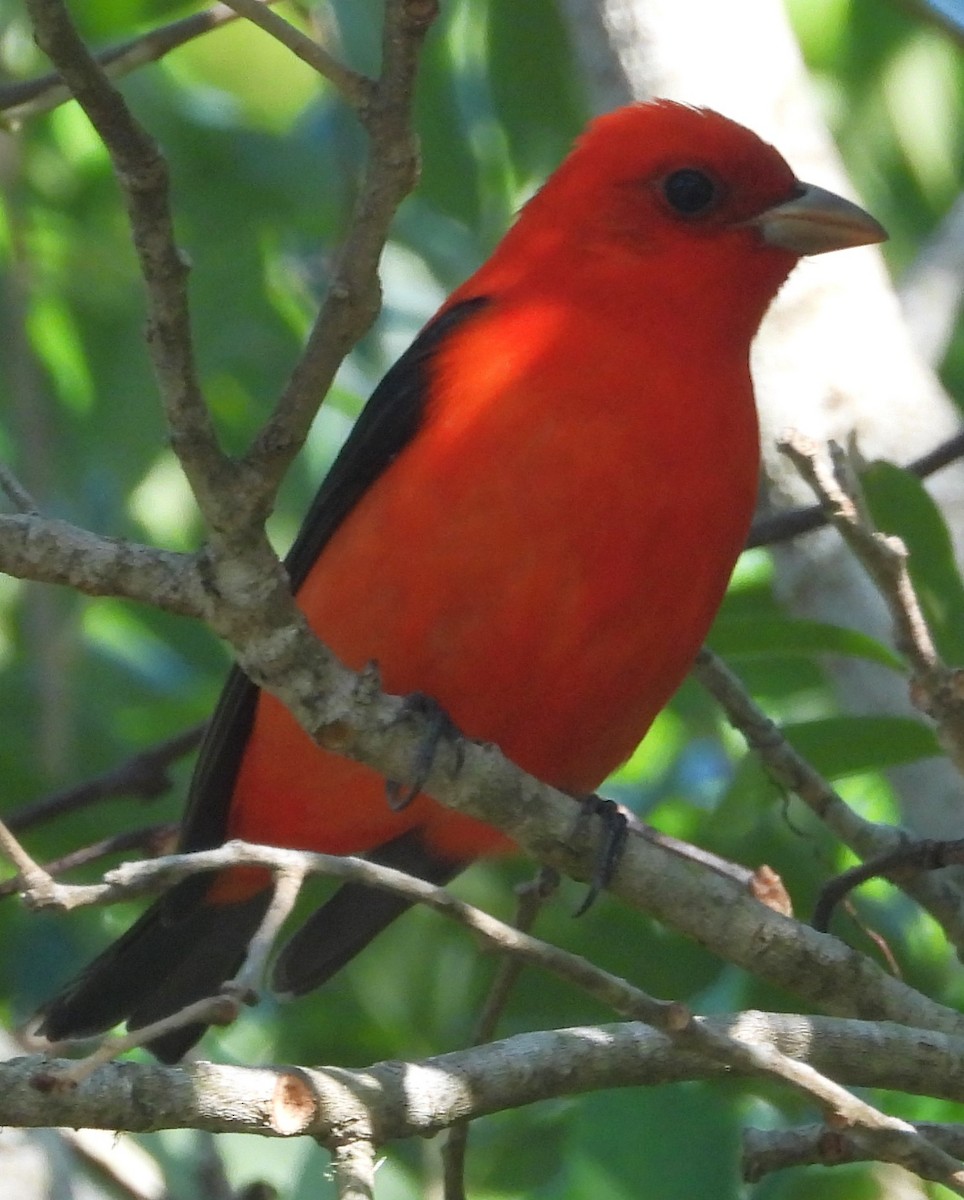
839	746
779	637
901	505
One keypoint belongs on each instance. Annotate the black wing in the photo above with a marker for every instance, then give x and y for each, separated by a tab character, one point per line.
354	915
181	949
388	422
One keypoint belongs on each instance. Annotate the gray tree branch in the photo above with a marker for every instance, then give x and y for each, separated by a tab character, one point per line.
400	1100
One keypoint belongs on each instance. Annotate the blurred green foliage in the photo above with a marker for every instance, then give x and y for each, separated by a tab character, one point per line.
265	164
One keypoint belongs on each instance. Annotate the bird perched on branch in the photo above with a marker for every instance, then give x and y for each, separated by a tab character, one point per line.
533	523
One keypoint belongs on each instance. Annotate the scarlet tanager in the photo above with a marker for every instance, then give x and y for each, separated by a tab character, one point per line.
533	523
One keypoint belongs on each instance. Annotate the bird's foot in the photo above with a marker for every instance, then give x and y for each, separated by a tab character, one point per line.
439	727
615	830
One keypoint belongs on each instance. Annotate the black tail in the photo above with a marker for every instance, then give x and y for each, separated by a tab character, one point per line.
177	953
182	950
354	915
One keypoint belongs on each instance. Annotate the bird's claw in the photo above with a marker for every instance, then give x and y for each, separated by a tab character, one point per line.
615	832
440	727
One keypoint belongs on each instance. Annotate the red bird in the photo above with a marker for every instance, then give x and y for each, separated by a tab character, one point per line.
533	522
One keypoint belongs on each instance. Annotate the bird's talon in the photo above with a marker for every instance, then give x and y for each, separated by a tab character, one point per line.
615	832
440	728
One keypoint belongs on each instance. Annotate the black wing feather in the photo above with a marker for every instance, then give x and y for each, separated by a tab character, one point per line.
354	915
387	424
181	950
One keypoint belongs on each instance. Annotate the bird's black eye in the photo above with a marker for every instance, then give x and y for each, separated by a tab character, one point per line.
690	191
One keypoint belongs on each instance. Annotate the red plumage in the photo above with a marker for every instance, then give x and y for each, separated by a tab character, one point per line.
533	523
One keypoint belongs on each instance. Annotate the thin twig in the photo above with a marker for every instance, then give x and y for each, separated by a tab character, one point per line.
30	874
883	558
935	688
768	1150
353	1164
16	493
842	1109
354	88
913	857
772	528
694	901
673	1019
150	839
132	1171
33	96
221	1009
211	1177
143	176
531	898
287	889
353	297
144	776
792	772
133	879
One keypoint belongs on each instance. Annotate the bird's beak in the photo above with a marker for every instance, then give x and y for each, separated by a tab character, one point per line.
816	221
